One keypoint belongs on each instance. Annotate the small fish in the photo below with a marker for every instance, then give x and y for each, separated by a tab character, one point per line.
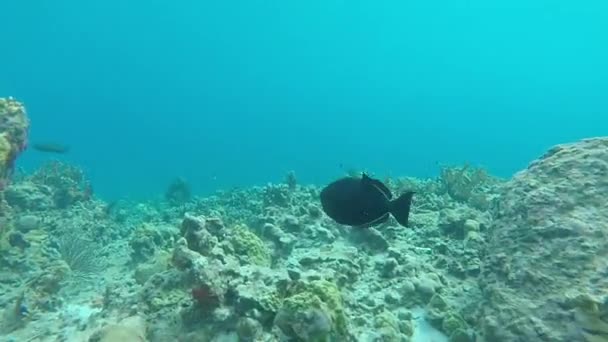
51	147
364	202
23	311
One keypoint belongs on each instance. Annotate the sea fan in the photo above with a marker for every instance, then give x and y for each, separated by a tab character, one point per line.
80	254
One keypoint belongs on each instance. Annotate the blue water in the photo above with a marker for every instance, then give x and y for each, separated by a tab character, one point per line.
234	93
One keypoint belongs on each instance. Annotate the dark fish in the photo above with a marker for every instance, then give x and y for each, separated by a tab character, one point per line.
364	202
51	147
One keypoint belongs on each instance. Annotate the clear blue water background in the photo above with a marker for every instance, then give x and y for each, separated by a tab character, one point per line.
234	93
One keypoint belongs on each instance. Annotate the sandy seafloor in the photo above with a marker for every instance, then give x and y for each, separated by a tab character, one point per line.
485	259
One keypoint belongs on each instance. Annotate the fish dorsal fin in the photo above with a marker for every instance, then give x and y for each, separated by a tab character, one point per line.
365	179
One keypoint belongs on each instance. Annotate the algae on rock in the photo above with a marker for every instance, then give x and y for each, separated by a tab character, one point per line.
249	247
467	184
313	311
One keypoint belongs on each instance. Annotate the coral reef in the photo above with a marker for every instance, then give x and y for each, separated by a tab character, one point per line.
55	185
544	274
262	263
521	260
14	127
313	311
249	247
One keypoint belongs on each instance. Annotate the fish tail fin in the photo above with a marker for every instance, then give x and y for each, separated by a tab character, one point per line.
400	207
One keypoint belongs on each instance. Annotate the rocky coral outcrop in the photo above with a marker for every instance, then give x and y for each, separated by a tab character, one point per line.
544	277
14	126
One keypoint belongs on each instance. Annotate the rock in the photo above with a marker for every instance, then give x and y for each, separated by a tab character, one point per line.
392	297
16	239
294	274
407	288
313	311
310	324
370	237
426	286
248	329
29	196
388	268
132	329
387	327
471	226
145	270
26	223
459	222
548	238
259	298
195	231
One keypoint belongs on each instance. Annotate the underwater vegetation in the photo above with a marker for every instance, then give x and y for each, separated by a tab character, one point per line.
468	184
481	259
81	255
